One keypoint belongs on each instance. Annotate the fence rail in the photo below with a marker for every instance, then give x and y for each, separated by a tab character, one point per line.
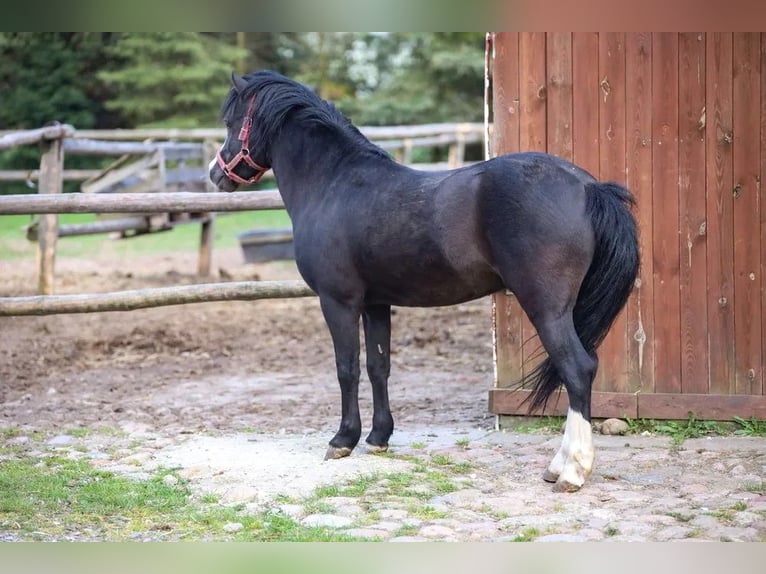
177	202
154	297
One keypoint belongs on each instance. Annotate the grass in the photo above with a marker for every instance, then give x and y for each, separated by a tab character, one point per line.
14	245
527	535
55	498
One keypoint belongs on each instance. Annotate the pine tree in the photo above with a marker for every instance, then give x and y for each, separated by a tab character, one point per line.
177	79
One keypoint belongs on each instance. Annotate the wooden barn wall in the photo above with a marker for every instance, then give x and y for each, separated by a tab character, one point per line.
680	118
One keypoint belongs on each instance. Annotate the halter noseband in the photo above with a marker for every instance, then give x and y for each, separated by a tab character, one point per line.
244	152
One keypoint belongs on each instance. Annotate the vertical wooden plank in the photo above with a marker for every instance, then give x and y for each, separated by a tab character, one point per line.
506	312
691	203
51	181
612	373
638	118
746	107
532	136
719	217
763	211
667	312
559	93
585	101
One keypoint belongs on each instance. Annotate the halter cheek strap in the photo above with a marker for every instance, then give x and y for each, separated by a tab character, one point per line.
244	153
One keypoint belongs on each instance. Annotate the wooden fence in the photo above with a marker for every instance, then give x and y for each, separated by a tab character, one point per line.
681	119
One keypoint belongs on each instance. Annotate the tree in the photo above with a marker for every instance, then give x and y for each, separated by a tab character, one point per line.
47	77
422	77
169	78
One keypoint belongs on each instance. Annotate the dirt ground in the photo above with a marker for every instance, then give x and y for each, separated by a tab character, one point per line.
264	365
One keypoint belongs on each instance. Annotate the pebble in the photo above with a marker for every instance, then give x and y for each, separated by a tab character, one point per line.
61	440
232	527
327	520
169	480
561	538
436	531
614	427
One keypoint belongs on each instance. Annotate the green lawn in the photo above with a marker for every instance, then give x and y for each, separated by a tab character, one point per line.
14	245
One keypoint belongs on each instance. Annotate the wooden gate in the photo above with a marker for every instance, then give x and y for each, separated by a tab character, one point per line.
680	118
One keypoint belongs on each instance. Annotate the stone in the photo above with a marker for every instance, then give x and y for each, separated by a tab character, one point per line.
408	539
61	440
370	533
169	480
614	427
327	520
436	531
561	538
239	494
232	527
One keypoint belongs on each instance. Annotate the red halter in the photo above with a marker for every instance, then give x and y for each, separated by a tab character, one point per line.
244	152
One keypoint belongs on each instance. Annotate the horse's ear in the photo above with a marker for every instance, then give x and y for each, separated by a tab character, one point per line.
238	82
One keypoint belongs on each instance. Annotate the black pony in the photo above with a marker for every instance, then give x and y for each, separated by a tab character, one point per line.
371	233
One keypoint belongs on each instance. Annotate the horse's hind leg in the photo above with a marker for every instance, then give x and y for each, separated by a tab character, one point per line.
343	322
573	462
377	334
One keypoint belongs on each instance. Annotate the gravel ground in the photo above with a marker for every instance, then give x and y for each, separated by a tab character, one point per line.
241	398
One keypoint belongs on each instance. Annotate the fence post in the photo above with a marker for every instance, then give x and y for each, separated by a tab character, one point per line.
206	229
51	181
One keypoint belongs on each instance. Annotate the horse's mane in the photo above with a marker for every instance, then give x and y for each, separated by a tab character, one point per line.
279	97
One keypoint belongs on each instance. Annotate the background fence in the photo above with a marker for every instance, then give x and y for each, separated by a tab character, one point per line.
680	119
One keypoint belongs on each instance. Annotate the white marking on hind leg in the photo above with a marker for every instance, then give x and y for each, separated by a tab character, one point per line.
573	462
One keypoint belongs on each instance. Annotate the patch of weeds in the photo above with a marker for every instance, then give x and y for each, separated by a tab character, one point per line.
440	482
750	427
680	517
463	442
756	487
678	431
407	530
462	467
282	528
358	486
740	506
723	514
441	459
80	432
285	499
317	506
209	498
425	512
327	491
10	432
499	514
610	531
418	445
527	535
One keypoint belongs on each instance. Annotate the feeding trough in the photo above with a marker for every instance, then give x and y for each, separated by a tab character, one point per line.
262	245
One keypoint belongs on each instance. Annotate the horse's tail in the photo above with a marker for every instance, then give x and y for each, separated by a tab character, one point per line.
608	282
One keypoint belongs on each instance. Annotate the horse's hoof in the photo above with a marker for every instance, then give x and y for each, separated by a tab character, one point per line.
376	448
566	486
548	476
335	452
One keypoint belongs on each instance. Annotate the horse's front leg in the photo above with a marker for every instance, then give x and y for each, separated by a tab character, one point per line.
377	336
343	321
